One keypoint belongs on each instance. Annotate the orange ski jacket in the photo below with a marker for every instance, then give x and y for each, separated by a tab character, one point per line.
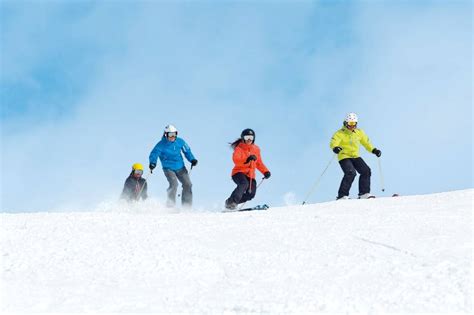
241	153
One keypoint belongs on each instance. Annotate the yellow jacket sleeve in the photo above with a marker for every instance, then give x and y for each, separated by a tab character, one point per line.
335	140
365	141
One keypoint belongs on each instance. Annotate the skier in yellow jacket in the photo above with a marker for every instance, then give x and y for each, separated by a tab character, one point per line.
345	143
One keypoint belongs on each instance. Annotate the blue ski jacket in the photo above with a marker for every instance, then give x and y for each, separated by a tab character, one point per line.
169	153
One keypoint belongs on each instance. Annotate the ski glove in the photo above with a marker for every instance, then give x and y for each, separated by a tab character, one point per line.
267	175
377	152
152	166
194	162
250	158
338	149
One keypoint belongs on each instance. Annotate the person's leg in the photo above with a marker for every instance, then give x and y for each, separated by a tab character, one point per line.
364	179
349	175
187	194
250	194
242	182
173	187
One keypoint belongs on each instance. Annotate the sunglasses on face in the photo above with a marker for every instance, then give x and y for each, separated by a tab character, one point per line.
138	172
171	134
352	123
246	138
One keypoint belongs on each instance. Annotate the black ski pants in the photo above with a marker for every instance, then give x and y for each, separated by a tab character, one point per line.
349	167
244	190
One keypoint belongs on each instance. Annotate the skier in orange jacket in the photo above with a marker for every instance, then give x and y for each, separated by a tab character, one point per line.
246	158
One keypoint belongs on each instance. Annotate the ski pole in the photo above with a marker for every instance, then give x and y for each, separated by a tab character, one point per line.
318	180
242	205
252	166
381	175
141	188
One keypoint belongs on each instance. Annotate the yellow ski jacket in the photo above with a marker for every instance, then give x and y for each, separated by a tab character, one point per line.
349	141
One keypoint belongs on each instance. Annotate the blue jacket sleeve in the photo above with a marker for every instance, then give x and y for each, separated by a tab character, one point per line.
187	152
155	153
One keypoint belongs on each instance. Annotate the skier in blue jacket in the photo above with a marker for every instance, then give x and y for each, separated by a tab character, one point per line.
169	151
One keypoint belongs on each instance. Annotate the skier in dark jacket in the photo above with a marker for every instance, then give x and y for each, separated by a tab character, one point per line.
135	186
170	150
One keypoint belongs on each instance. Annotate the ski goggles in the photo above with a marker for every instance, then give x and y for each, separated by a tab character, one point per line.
249	137
352	123
138	172
171	134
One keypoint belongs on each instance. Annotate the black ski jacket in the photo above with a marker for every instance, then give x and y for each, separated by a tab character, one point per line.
134	189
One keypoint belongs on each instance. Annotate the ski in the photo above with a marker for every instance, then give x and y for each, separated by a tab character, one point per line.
373	197
259	207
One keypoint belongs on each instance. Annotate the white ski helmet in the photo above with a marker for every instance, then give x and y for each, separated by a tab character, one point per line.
351	117
350	121
170	128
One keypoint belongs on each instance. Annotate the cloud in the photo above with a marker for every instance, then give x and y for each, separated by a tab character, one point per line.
290	71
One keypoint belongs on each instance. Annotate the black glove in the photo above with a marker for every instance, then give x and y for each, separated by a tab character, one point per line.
377	152
337	150
194	162
267	175
251	158
152	166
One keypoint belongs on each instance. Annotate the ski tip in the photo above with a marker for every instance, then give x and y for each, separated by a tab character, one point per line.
395	195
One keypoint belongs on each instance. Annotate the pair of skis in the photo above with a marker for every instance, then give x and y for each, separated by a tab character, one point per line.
265	206
373	197
259	207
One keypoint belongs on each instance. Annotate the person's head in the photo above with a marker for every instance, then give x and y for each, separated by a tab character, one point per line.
171	133
248	136
137	170
351	121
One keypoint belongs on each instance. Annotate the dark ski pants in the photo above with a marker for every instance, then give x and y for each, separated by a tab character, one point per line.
243	192
187	194
349	167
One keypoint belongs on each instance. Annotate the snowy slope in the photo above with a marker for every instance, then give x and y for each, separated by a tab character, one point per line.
404	255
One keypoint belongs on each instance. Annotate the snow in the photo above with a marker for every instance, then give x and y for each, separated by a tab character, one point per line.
386	255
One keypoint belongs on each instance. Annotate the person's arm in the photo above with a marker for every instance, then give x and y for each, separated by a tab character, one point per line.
154	154
335	143
187	152
127	190
260	165
144	194
335	140
365	141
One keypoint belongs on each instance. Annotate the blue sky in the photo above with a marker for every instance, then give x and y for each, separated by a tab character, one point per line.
87	87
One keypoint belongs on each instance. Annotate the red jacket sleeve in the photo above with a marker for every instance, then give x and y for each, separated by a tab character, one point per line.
260	166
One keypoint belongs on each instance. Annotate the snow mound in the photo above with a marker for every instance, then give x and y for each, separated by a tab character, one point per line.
402	255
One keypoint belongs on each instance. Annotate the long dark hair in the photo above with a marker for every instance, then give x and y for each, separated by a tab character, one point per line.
234	144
